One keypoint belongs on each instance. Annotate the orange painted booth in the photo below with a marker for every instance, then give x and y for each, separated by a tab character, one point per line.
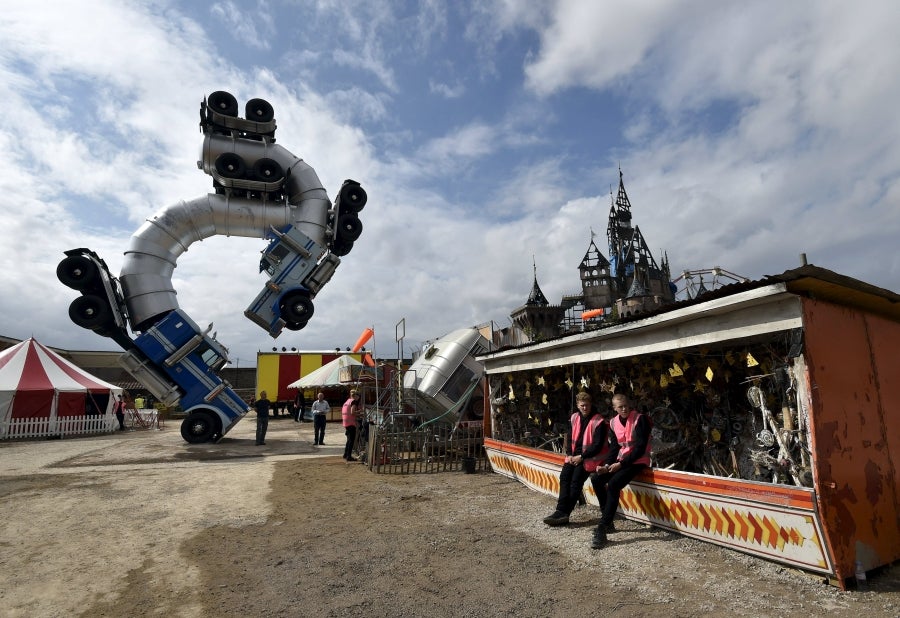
776	411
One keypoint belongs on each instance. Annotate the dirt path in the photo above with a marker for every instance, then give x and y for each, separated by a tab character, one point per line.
139	523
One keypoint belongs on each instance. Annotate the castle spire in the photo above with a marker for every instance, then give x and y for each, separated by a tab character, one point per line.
537	296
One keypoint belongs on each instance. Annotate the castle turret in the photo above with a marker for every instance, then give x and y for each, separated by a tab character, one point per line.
537	318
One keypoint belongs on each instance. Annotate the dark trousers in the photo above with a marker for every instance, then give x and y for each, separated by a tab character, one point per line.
262	424
608	487
121	417
571	482
351	438
318	429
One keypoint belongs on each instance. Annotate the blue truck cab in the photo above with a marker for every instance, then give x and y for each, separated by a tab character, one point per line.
298	267
175	352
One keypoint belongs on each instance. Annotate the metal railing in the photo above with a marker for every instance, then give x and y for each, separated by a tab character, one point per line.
396	449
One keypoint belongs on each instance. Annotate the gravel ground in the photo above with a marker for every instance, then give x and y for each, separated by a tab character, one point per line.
139	523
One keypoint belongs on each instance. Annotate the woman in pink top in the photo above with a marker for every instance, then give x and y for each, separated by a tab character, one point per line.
349	415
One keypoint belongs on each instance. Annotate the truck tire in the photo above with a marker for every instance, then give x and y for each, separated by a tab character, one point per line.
223	103
296	308
341	248
268	170
353	197
349	227
231	165
78	272
199	427
259	110
91	312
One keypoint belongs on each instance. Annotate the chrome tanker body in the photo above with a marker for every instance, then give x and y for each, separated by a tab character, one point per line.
442	378
261	190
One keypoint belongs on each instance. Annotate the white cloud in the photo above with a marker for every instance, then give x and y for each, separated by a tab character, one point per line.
445	90
252	27
752	133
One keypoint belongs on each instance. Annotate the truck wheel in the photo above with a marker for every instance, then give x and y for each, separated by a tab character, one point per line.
91	312
296	308
341	248
268	170
259	110
230	165
78	272
353	197
198	427
349	227
223	103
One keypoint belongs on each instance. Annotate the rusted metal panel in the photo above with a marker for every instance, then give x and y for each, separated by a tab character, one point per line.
852	368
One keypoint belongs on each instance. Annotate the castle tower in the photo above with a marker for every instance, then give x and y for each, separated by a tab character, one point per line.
537	318
630	256
596	281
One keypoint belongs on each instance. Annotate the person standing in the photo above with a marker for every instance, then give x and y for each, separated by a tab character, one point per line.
320	410
300	406
629	454
349	416
262	417
587	444
120	412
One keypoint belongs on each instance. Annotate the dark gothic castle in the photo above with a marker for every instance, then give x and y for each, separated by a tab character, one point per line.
628	283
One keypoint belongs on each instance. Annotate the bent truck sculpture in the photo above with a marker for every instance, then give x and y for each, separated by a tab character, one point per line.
261	190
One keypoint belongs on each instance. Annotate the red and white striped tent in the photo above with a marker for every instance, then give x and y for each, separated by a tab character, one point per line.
36	382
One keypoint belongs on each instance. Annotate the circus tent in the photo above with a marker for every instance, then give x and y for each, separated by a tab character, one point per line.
341	371
36	382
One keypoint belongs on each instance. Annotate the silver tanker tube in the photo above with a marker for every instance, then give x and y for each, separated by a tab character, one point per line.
153	252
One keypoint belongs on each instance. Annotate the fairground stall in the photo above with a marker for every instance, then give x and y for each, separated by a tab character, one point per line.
776	414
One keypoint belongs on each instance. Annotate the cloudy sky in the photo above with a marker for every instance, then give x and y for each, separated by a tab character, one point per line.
487	133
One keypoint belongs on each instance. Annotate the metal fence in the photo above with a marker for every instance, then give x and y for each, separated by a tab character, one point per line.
394	449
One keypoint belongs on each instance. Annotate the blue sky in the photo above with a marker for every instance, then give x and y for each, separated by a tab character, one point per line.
487	134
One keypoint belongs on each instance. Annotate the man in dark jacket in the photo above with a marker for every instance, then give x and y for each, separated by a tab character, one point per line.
262	417
586	447
629	454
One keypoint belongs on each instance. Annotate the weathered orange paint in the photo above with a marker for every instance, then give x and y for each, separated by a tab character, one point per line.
852	370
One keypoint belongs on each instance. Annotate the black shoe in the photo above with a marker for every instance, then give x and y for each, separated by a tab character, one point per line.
558	518
352	458
610	528
599	539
